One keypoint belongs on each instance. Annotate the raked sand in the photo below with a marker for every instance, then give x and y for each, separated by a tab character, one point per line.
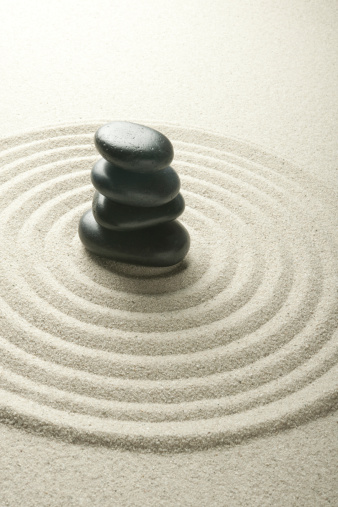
212	383
237	341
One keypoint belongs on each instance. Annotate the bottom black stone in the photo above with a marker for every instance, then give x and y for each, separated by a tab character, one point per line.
157	246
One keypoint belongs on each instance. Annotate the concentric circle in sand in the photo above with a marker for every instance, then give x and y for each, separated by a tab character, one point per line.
238	340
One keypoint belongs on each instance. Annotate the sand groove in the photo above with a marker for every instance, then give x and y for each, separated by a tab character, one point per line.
238	340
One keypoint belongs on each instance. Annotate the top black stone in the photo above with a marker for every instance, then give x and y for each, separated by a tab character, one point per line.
134	147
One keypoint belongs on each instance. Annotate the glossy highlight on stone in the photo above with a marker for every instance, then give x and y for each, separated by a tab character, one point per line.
158	246
135	189
113	215
134	147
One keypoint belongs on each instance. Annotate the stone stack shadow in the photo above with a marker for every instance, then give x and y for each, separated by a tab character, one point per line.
137	199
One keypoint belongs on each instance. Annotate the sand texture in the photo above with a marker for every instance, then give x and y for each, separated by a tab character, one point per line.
237	341
212	383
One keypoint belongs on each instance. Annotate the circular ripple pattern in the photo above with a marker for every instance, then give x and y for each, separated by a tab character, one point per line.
238	340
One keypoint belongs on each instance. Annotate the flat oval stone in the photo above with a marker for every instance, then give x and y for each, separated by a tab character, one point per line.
134	147
135	189
113	215
161	245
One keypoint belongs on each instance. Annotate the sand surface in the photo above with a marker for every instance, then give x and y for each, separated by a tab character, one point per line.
213	382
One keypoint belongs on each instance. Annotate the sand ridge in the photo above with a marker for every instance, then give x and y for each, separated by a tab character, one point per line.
236	341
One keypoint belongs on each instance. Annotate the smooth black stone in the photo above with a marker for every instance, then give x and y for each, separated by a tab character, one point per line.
134	147
161	245
116	216
135	189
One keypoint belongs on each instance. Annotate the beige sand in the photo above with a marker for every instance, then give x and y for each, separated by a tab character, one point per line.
236	341
179	386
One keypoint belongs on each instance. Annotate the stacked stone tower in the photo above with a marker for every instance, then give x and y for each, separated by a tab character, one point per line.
137	199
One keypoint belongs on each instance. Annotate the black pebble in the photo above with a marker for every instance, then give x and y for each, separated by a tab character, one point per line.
161	245
135	189
113	215
134	147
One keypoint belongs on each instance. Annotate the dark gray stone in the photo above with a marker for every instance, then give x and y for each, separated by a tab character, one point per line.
161	245
135	189
113	215
134	147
